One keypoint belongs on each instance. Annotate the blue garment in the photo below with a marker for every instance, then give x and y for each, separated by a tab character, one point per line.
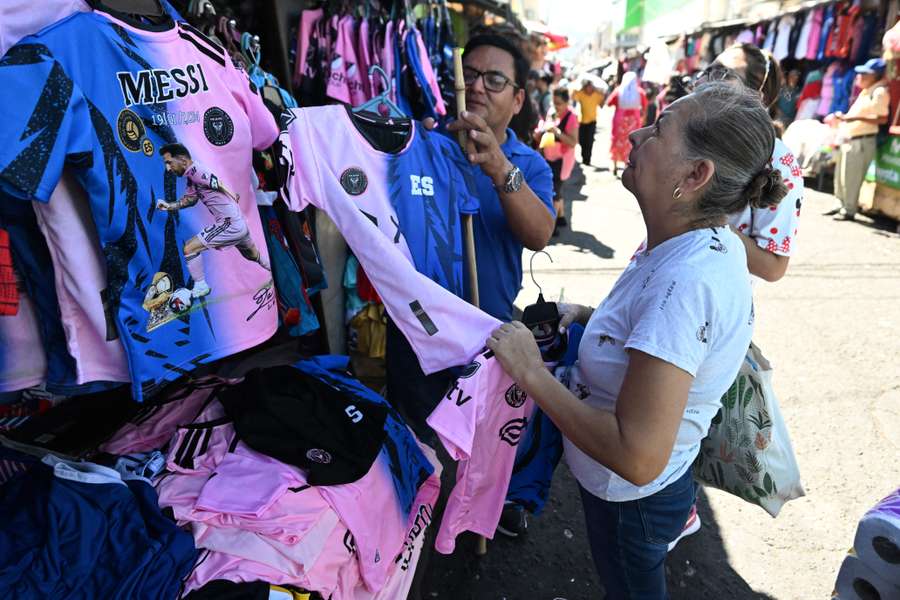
540	448
827	25
863	46
85	93
415	62
35	267
498	251
430	184
286	273
843	87
630	540
409	467
97	537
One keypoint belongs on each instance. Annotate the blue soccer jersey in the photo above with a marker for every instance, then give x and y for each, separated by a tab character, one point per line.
159	125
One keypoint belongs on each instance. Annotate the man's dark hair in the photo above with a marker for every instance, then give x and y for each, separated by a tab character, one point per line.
492	39
547	78
174	150
561	94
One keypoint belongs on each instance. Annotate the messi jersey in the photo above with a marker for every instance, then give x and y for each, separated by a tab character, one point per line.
130	108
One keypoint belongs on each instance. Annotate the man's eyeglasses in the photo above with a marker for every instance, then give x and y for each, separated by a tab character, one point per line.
494	81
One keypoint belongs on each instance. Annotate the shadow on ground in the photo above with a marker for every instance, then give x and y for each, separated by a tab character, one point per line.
553	561
572	235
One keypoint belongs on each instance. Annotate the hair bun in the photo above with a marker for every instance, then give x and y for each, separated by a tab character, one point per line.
766	189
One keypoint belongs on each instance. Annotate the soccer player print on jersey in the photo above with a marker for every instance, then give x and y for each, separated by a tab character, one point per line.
228	228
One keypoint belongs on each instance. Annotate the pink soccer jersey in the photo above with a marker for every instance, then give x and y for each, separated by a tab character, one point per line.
479	421
19	369
154	425
482	426
351	181
135	104
80	278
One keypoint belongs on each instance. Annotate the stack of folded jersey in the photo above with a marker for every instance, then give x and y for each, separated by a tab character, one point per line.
241	464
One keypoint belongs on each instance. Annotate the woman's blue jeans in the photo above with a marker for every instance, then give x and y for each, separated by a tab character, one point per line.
629	540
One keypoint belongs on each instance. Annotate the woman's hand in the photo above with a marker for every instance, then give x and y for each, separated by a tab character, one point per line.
573	313
514	346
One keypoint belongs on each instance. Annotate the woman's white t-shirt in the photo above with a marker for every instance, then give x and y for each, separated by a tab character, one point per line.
688	302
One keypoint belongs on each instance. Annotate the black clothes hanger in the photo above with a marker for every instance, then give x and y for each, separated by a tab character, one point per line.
543	318
381	121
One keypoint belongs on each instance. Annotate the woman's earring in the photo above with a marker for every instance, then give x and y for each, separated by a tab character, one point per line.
677	194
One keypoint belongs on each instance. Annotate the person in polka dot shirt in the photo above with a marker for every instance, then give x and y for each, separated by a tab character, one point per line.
768	234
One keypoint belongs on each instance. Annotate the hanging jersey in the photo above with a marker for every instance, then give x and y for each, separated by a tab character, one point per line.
443	330
107	97
355	190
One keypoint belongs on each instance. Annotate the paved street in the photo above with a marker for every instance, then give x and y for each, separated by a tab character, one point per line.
831	329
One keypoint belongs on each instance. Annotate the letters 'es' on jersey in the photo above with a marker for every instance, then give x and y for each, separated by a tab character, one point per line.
159	126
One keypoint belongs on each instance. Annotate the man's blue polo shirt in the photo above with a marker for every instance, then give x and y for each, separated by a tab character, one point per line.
497	249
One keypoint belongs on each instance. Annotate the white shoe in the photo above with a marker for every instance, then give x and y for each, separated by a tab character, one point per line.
200	289
690	527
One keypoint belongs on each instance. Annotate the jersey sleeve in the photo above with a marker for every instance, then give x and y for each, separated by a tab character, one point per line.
301	182
46	123
263	128
673	319
461	176
539	178
774	229
201	177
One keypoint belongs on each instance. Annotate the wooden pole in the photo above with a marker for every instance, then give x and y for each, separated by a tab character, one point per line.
468	229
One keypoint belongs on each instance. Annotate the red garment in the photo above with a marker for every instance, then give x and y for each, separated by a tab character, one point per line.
838	45
364	288
9	293
810	90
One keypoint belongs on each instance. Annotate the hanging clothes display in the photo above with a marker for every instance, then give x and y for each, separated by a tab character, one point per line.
152	280
335	52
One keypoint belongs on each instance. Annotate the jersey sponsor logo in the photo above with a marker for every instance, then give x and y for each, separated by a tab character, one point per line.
317	455
354	413
515	396
131	130
469	370
217	126
511	432
354	181
154	86
460	396
421	185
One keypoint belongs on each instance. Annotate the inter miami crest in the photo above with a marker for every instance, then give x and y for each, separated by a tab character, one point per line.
317	455
130	129
217	126
511	432
515	396
354	181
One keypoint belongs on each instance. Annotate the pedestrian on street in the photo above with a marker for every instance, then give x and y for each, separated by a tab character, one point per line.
560	154
544	96
630	102
859	128
588	98
787	99
659	352
768	235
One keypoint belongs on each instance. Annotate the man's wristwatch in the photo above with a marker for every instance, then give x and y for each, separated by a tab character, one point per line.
514	180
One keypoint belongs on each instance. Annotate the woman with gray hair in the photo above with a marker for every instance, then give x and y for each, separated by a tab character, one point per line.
659	352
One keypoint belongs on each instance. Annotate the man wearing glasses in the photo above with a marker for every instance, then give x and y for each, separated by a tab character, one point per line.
514	183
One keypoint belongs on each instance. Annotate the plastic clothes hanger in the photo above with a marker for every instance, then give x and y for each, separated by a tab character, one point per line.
542	318
381	104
